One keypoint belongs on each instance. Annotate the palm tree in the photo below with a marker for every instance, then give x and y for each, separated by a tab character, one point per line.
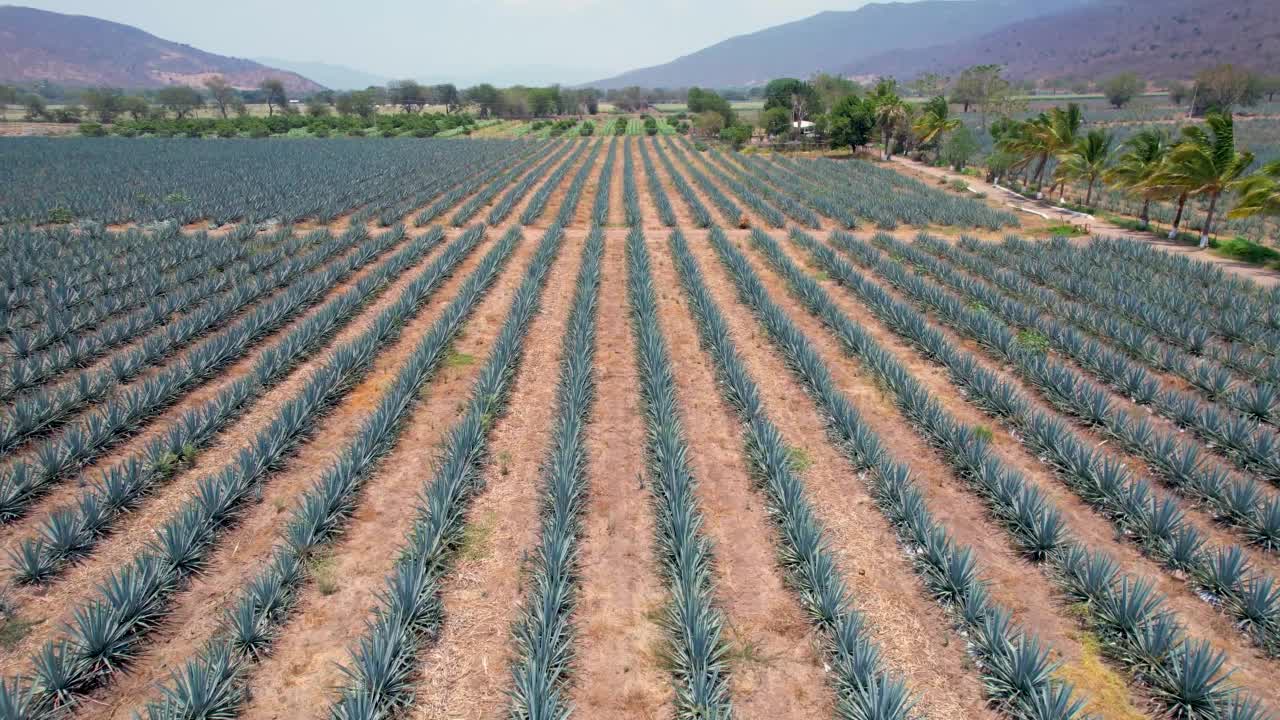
1028	142
1086	160
934	122
1206	164
1259	193
1144	153
889	111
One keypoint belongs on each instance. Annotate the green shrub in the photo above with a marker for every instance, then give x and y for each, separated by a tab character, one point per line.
92	129
1246	250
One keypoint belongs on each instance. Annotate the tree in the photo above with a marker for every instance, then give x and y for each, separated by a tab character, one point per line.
973	85
408	94
934	123
1259	193
798	97
1121	89
1221	88
180	100
1204	164
831	89
36	108
486	97
888	110
849	123
447	95
1142	158
105	103
317	107
224	96
776	121
136	105
1179	93
1269	86
709	124
275	95
736	135
1086	161
700	101
960	148
8	95
1045	136
361	103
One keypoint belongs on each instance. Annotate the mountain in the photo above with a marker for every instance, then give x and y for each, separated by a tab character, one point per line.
829	41
82	51
1158	39
334	77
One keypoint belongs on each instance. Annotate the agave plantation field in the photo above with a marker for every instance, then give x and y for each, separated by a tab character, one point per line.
614	427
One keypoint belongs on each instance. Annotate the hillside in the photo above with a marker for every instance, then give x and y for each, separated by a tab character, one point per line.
82	51
1160	39
832	40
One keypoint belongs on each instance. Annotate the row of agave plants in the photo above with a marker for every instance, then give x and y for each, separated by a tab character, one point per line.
888	197
1240	438
1017	667
746	194
562	157
793	208
1130	502
111	182
1137	626
106	631
729	210
470	184
630	193
573	195
225	295
1236	500
666	213
544	632
694	624
69	534
865	688
438	189
600	210
65	303
62	455
542	196
381	670
498	183
1114	284
212	683
35	369
825	200
701	216
1213	381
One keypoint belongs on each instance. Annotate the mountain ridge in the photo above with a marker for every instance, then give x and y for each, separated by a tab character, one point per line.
84	51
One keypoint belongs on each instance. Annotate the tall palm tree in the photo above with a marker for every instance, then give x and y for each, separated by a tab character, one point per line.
889	111
1259	193
934	122
1204	164
1143	155
1086	160
1028	142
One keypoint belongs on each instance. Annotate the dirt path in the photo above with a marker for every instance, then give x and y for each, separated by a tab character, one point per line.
1002	198
776	667
467	673
618	670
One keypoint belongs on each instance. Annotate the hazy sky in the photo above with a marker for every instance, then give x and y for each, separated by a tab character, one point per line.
426	38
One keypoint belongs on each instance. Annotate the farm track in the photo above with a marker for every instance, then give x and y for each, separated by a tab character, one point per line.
619	671
1089	527
777	661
